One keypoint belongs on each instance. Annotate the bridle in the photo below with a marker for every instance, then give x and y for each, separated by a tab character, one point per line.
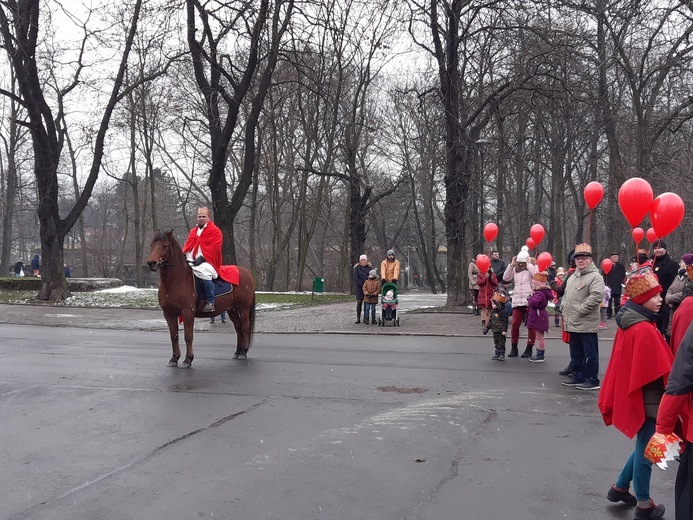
161	262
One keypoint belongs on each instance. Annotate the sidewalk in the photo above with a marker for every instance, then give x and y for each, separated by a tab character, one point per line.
421	314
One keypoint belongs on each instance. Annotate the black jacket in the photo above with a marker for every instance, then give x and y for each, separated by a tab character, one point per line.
666	270
498	267
615	278
360	276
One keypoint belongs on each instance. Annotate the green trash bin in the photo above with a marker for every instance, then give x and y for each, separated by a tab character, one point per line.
318	285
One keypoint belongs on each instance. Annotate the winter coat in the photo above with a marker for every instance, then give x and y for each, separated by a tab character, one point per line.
371	290
616	278
498	266
537	315
472	272
500	318
360	276
580	306
35	263
523	283
666	270
389	271
487	285
674	295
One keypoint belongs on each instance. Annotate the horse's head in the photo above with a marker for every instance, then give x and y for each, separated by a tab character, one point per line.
161	249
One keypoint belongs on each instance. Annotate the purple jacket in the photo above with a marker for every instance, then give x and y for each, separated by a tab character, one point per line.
537	316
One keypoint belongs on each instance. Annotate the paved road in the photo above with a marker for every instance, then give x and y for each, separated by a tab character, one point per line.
313	426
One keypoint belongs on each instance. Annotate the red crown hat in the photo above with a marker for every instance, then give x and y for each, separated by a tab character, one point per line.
642	285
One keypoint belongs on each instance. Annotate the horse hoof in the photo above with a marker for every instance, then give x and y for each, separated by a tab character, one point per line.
186	364
172	364
240	355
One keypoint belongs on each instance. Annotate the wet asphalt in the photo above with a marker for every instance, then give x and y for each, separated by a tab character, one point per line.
327	419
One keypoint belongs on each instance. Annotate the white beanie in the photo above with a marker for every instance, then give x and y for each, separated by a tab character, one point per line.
363	257
523	257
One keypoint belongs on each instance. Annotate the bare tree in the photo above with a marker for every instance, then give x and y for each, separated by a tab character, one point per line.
20	23
227	78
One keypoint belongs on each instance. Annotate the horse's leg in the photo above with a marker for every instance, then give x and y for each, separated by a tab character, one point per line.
242	325
172	321
188	326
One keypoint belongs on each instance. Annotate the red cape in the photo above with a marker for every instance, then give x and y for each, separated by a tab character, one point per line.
680	322
639	356
210	241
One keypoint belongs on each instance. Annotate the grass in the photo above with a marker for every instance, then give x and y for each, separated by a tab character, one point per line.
147	298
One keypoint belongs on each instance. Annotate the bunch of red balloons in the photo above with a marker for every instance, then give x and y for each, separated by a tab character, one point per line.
636	200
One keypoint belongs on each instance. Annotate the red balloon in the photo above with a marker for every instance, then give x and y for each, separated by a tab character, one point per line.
666	213
544	261
483	263
635	199
651	235
637	234
537	233
607	264
490	231
530	243
594	192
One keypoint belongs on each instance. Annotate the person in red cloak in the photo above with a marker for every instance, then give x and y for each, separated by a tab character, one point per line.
203	250
677	405
684	313
633	386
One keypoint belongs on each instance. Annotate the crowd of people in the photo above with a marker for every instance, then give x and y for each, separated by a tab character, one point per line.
647	387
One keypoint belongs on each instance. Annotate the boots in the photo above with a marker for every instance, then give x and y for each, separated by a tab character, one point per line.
501	354
528	351
496	355
567	370
513	350
365	320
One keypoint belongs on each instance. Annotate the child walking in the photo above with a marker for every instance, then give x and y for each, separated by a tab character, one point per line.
604	306
498	322
371	291
537	315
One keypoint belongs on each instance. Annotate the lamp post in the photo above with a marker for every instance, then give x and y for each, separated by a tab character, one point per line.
481	144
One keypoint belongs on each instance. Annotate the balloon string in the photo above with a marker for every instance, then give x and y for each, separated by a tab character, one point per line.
589	227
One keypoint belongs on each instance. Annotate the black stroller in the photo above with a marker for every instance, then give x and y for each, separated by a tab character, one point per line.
388	301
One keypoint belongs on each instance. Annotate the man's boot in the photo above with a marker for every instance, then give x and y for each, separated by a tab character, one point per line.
209	295
513	350
567	371
528	351
365	320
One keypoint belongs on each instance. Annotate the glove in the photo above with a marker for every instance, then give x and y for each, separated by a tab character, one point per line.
394	281
199	260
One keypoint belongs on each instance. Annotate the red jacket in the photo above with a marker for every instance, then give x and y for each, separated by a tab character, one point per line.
677	403
487	285
639	356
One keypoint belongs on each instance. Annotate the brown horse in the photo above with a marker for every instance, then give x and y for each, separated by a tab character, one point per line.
178	299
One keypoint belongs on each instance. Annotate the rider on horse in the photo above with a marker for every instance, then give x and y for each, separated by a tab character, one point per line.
203	251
